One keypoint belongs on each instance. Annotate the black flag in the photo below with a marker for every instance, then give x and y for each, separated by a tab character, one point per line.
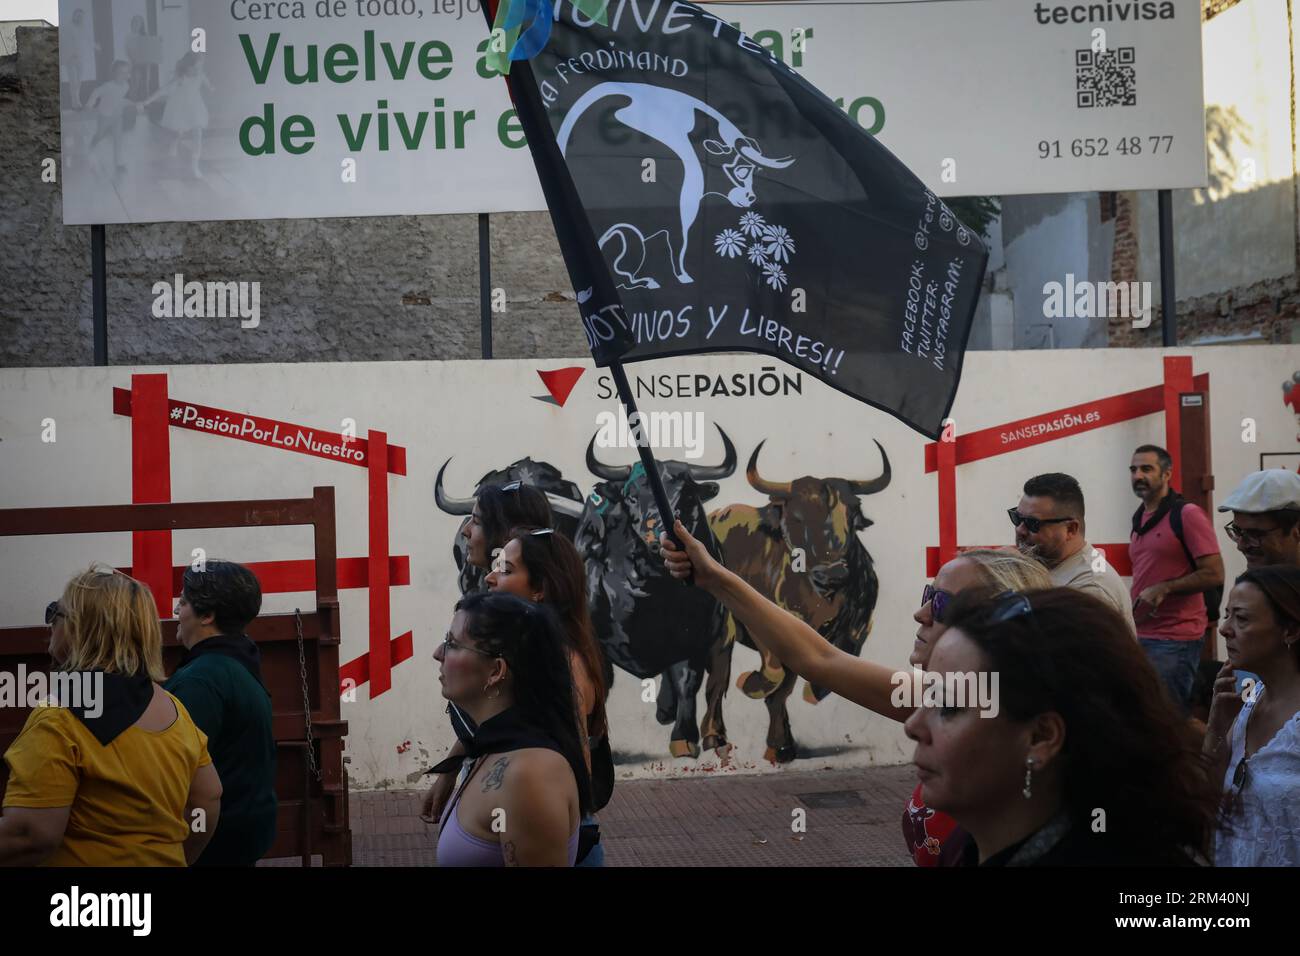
707	198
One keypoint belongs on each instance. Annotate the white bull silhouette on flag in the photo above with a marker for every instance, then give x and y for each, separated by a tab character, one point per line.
669	117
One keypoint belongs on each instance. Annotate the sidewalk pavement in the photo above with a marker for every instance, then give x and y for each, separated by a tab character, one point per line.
852	819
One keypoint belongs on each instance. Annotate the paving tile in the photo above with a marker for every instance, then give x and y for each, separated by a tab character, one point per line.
726	820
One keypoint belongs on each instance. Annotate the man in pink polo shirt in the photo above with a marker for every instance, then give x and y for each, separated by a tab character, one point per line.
1170	573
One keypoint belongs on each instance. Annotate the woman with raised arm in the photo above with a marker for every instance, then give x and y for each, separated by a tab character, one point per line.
523	786
866	683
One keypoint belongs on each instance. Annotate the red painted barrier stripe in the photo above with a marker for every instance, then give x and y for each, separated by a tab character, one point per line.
151	483
1116	556
1061	423
1178	378
285	577
381	666
268	431
357	671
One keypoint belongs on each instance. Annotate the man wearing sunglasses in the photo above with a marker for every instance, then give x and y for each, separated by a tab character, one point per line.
1050	529
1266	518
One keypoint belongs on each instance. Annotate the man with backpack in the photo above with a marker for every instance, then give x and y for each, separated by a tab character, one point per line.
1177	573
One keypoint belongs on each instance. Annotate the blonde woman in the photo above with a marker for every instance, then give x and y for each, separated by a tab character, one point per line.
123	778
868	684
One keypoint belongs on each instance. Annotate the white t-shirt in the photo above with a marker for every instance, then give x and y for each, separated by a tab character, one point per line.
1265	827
1078	572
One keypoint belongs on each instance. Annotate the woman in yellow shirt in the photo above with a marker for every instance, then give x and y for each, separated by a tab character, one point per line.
120	776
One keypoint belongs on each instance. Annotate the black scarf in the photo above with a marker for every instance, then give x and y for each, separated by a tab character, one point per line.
503	733
1167	502
124	701
239	647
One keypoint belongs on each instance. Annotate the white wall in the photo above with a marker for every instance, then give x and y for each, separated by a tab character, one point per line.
484	415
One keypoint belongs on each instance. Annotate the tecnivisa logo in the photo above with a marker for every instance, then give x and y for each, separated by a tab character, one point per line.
1123	11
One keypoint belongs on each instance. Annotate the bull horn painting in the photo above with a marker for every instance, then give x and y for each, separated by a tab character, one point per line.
779	489
770	488
717	472
452	506
602	470
560	505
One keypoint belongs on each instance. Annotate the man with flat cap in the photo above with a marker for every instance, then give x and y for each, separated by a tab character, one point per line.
1266	518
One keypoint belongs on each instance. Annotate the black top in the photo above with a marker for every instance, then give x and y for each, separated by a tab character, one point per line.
1060	844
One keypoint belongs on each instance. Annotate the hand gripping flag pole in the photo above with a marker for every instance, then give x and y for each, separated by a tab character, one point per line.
514	40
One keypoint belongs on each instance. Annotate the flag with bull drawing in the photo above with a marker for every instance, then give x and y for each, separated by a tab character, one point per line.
707	198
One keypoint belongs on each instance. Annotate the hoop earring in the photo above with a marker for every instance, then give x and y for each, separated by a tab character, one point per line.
1029	778
490	687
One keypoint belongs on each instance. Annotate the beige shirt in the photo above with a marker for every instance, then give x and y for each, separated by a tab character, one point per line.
1077	571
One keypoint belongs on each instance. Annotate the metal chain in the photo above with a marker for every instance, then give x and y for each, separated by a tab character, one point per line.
306	700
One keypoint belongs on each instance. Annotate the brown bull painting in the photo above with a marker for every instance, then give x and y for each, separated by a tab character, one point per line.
801	551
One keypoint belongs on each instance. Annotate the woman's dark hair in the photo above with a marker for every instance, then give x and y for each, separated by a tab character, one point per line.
226	590
1281	586
502	507
1127	749
533	643
554	565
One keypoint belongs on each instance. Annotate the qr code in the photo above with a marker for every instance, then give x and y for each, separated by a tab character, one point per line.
1105	79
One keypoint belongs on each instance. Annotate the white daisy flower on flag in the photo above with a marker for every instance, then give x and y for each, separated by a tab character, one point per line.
757	254
774	276
752	224
780	244
729	243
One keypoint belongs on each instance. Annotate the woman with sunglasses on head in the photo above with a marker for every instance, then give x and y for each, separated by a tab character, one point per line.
1254	744
116	774
539	565
523	785
866	683
496	509
1085	761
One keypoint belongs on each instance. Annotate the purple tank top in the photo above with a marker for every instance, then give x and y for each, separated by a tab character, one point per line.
459	848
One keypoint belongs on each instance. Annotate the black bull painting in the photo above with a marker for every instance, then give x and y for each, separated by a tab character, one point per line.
801	550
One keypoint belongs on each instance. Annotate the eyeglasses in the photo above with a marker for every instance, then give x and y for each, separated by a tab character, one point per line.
1252	536
450	644
1032	524
938	601
53	611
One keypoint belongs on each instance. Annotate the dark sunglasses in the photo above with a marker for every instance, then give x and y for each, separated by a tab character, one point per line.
938	601
1032	524
1010	605
53	611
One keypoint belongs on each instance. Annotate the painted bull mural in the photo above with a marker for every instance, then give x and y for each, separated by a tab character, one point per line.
564	496
801	551
647	622
671	117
